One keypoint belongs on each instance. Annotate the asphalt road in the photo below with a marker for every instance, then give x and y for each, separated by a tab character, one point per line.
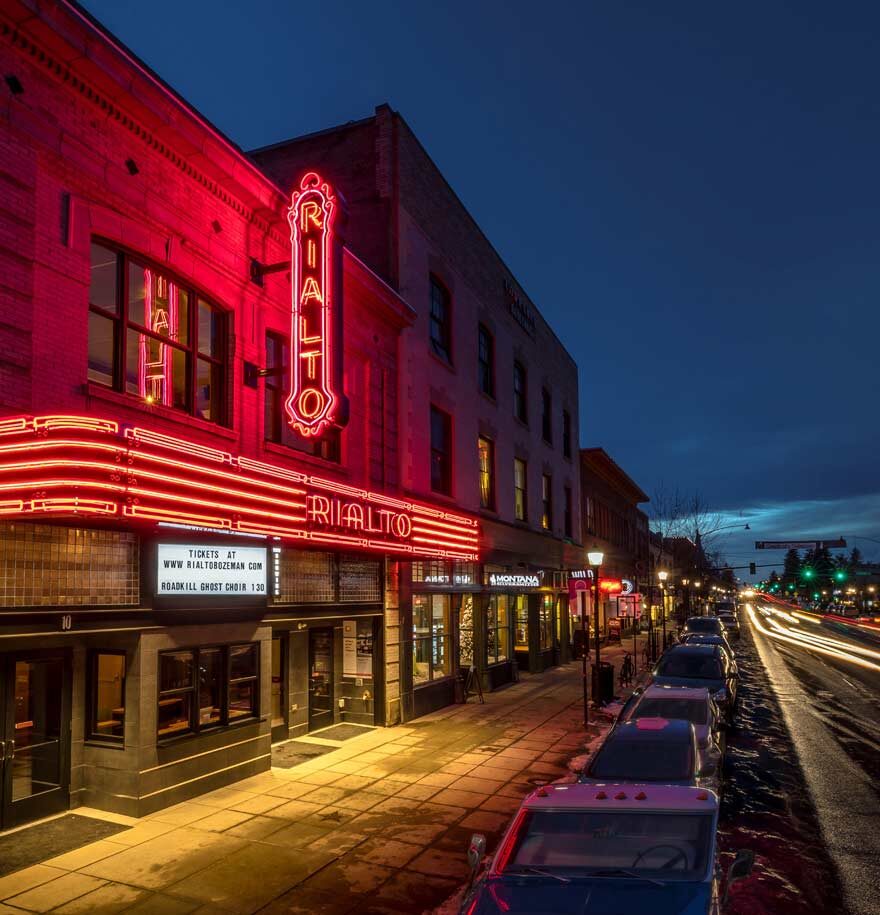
828	687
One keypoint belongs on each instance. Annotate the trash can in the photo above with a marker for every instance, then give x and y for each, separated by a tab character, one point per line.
603	682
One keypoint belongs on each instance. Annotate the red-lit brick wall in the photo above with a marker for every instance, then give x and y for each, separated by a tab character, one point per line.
64	142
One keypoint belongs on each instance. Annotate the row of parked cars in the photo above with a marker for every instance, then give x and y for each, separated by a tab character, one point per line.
637	832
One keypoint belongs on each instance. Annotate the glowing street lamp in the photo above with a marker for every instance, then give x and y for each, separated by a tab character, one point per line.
594	557
663	575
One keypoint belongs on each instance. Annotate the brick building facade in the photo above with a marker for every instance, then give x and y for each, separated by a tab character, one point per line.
490	392
185	578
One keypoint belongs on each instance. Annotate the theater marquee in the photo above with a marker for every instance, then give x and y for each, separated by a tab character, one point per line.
80	466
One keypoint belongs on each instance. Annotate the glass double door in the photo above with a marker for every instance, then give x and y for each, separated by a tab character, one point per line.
34	737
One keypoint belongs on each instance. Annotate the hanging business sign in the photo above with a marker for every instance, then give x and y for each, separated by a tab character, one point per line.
191	570
313	402
514	581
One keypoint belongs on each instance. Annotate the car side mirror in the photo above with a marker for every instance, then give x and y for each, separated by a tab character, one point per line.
740	868
476	852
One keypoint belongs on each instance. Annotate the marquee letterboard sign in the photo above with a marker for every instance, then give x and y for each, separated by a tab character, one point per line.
210	570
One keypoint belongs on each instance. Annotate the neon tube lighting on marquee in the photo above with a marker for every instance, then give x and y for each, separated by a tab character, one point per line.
312	403
80	466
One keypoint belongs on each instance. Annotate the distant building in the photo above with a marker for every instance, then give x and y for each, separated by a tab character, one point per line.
614	523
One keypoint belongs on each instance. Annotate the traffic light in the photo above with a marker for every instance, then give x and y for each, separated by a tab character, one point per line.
840	575
808	573
752	569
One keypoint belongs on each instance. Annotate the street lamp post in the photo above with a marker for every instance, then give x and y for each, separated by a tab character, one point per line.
698	584
585	645
663	575
595	558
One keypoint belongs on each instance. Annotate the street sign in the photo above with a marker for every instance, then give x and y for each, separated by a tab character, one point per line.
800	544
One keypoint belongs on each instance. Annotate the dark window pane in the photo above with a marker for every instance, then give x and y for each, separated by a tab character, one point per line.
103	283
242	699
136	293
440	320
520	405
175	714
175	670
208	390
486	356
210	322
102	336
441	476
242	661
210	686
109	696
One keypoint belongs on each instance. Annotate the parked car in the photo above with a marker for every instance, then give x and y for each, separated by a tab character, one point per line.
731	623
687	704
708	625
587	849
654	750
700	665
700	638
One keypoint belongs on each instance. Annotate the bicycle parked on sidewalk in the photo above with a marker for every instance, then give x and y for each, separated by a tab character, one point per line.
627	671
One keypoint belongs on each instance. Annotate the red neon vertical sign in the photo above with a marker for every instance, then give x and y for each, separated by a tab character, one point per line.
311	406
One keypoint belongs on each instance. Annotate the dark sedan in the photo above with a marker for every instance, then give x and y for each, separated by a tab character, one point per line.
700	665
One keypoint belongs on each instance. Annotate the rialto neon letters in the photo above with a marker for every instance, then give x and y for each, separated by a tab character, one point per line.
78	466
312	404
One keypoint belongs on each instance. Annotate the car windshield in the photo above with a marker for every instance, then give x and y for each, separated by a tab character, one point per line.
725	607
687	665
666	846
653	760
692	710
702	625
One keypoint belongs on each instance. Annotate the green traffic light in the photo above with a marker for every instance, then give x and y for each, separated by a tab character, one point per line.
815	595
808	573
840	575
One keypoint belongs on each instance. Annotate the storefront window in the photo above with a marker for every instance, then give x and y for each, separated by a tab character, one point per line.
431	637
107	696
210	689
224	681
498	629
243	681
521	621
545	621
466	646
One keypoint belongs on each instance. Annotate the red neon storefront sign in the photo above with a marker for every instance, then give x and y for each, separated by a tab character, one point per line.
79	466
312	403
610	585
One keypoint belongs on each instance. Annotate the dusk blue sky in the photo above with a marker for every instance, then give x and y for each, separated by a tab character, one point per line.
688	190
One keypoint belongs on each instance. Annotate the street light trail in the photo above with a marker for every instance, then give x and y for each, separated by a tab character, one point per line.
824	639
811	643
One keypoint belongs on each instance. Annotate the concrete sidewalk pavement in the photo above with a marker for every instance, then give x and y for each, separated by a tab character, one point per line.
379	825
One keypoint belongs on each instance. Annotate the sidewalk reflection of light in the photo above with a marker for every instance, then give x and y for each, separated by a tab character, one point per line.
814	643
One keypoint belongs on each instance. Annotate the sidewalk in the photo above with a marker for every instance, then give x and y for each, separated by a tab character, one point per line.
380	825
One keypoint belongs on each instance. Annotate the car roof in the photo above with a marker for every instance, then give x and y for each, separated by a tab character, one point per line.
676	692
704	638
668	798
651	730
695	648
692	619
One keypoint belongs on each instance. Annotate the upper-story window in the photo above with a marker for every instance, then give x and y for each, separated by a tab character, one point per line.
546	416
566	433
277	388
520	490
567	520
441	451
155	338
520	402
486	454
486	360
441	320
547	502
